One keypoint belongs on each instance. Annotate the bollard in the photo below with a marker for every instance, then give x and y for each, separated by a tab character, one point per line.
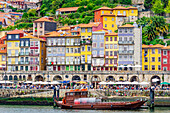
152	98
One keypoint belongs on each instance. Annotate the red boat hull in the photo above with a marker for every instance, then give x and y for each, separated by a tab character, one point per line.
102	105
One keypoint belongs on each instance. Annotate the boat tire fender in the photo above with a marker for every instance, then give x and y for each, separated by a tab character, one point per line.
91	106
111	106
70	106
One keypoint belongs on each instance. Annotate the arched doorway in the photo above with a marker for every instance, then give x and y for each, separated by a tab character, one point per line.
15	77
76	78
39	78
10	77
134	78
110	78
121	78
155	80
5	77
29	78
20	77
57	78
24	77
95	80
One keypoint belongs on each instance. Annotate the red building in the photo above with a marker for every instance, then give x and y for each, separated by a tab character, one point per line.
165	58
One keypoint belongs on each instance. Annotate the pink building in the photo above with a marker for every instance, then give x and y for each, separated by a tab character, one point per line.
165	58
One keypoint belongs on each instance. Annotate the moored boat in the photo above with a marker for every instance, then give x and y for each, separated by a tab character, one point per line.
78	99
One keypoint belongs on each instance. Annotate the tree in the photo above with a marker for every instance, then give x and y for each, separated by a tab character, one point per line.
158	7
168	42
32	12
167	9
25	15
148	4
157	41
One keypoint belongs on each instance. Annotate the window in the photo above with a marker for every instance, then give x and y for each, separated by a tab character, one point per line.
16	44
115	46
111	61
101	44
106	46
71	50
159	51
130	58
111	46
164	52
67	50
115	38
120	38
159	67
132	11
153	59
111	53
125	38
159	59
9	60
106	53
16	36
106	61
102	12
130	38
9	36
118	12
36	43
89	30
153	51
42	52
125	30
164	61
9	44
165	68
120	30
112	19
115	53
146	51
111	38
105	19
94	44
153	67
110	12
41	24
145	67
22	43
107	38
146	59
124	12
16	52
83	48
105	25
120	57
131	30
83	30
3	58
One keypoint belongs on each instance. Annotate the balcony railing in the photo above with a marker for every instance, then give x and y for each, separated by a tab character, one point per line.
126	52
23	53
86	42
126	42
13	54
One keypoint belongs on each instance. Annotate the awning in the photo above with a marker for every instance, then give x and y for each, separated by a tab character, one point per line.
65	82
55	82
28	82
6	82
102	83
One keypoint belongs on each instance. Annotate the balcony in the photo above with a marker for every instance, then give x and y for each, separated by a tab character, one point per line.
126	52
23	53
21	62
13	55
34	54
86	42
125	42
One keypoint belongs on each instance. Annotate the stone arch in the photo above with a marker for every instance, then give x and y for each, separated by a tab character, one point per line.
110	78
155	77
10	77
5	77
24	77
121	78
15	77
57	78
76	77
29	78
39	78
133	78
20	77
95	78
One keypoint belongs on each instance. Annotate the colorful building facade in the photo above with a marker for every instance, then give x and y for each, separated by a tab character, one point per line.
165	58
3	54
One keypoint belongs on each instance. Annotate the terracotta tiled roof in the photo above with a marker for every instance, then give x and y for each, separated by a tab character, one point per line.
16	31
152	46
112	34
120	7
29	36
167	47
55	34
3	46
68	9
131	7
16	13
64	28
3	38
44	19
126	25
91	24
104	8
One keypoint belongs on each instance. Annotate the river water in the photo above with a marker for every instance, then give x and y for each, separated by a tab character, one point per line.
49	109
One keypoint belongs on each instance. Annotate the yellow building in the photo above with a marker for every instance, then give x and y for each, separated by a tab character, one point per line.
73	54
86	34
151	57
111	51
3	56
112	18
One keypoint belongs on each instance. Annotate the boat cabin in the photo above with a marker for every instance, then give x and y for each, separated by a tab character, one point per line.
75	94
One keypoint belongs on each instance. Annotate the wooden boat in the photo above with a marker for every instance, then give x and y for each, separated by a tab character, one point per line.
78	99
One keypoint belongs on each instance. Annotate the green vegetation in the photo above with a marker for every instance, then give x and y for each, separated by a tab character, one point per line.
153	27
